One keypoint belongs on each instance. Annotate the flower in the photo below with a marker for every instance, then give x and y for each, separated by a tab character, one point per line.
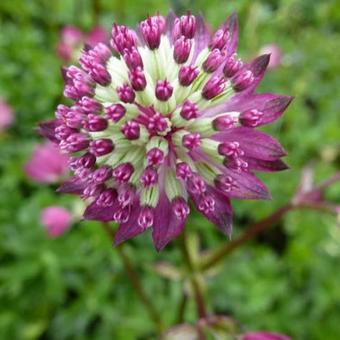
264	336
275	54
47	164
164	115
56	220
6	115
72	39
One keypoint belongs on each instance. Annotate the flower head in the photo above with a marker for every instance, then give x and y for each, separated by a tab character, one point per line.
6	115
56	220
164	116
47	164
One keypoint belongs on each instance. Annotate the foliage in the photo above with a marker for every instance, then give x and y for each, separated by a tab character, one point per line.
75	287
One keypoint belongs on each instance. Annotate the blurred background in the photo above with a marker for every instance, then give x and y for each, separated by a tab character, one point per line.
74	286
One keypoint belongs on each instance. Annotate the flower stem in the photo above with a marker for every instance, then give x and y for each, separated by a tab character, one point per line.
248	234
135	281
193	276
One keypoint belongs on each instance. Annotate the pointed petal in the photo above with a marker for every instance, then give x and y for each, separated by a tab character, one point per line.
98	213
166	225
246	186
254	143
271	105
202	36
169	25
131	228
266	166
73	186
231	26
46	129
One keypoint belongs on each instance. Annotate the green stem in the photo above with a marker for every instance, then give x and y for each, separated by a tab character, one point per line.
193	276
135	281
248	234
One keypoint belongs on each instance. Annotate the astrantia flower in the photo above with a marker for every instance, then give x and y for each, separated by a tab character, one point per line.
56	220
163	116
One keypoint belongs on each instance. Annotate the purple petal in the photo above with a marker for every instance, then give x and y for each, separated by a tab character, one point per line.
258	66
221	216
247	186
231	26
266	166
169	25
131	228
99	213
46	129
166	225
73	186
254	143
202	36
271	105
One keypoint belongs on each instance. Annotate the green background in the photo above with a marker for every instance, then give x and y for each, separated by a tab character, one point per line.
75	287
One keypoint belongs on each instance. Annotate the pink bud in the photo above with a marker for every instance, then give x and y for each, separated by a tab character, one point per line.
95	123
183	171
115	112
132	58
163	90
223	122
123	172
180	208
213	87
151	29
131	130
243	80
155	156
149	177
137	79
189	110
213	61
126	93
182	49
101	147
185	25
191	140
145	218
187	74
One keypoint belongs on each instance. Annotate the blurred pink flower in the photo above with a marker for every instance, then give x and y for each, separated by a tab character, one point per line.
56	220
72	40
47	164
96	36
264	336
275	54
6	115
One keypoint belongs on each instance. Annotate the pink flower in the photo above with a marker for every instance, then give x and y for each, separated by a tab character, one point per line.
275	55
6	115
47	164
264	336
56	220
97	35
173	118
72	40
